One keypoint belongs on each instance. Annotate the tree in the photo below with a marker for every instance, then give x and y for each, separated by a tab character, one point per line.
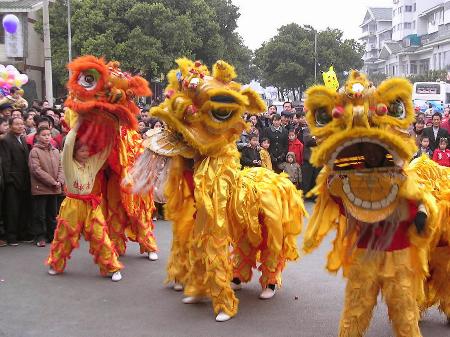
287	60
430	76
146	36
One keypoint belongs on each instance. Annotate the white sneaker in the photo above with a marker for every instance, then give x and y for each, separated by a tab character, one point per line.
152	256
194	299
116	277
235	286
52	271
222	317
177	287
267	294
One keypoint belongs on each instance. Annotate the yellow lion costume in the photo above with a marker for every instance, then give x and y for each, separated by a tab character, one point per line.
436	178
103	116
384	220
211	202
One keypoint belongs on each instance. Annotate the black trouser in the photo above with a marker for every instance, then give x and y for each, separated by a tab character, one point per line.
44	216
310	174
17	211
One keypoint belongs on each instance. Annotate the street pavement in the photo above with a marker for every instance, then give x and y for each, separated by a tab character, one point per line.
81	303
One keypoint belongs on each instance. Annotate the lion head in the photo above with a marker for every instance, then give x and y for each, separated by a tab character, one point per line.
362	141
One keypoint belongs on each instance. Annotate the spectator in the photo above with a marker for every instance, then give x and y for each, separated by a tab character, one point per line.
444	120
50	113
16	114
142	128
264	154
14	154
424	147
292	169
244	140
250	154
310	172
286	118
4	127
295	146
435	132
43	121
442	155
46	183
278	138
417	130
30	126
299	124
5	110
266	119
287	106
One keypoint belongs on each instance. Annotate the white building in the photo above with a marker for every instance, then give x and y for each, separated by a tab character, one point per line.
28	55
420	39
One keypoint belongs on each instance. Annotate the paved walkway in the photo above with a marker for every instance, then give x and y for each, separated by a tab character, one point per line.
80	303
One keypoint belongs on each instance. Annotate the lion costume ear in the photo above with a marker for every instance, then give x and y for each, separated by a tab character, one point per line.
255	103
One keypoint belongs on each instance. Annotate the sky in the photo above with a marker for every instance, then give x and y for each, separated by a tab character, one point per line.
260	19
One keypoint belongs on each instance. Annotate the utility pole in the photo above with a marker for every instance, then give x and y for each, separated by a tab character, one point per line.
47	56
69	31
315	57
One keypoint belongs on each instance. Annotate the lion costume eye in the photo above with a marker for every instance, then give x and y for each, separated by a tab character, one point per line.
322	116
397	109
88	79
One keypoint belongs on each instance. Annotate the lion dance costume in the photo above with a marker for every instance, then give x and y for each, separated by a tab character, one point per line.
101	103
436	178
211	202
383	218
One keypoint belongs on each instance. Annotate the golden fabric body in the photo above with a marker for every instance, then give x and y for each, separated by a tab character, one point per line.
390	273
78	217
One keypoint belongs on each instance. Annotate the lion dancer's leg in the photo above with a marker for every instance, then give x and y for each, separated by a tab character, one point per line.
440	278
244	260
101	247
67	234
117	218
360	297
400	293
211	270
142	228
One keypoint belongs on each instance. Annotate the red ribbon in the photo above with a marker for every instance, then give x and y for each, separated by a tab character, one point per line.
93	199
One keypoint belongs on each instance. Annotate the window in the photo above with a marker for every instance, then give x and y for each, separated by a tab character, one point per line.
407	25
408	8
413	68
414	7
2	32
393	12
400	10
414	24
399	26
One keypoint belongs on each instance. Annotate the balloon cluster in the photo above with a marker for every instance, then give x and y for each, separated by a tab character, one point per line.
11	77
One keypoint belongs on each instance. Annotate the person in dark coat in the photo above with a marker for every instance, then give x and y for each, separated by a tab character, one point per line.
279	142
310	172
250	155
17	195
435	132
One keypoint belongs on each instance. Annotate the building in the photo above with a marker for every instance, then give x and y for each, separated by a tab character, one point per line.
28	52
420	39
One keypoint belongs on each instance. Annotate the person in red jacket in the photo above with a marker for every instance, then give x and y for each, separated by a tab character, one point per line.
442	155
296	147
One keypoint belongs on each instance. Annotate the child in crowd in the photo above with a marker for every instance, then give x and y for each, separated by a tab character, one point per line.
46	183
264	154
250	155
424	148
292	169
295	146
442	154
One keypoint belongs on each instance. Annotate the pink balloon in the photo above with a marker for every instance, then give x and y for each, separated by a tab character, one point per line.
23	78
